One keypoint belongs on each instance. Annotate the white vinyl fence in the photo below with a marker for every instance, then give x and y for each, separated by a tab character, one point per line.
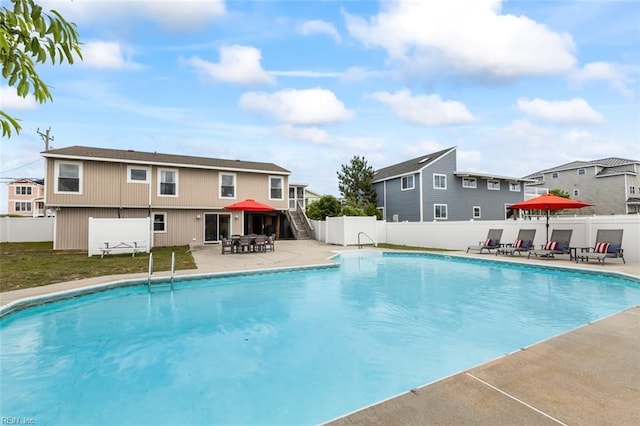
26	229
461	234
115	236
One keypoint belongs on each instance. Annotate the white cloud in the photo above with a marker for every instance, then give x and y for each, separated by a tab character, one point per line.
319	27
307	74
565	112
238	64
183	15
427	110
176	15
106	55
468	37
424	147
307	134
357	74
9	99
307	107
616	75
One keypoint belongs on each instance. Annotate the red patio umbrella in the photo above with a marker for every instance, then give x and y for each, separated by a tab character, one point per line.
549	202
250	205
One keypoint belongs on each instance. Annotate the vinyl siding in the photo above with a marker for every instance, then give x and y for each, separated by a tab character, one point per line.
431	196
405	204
105	185
607	194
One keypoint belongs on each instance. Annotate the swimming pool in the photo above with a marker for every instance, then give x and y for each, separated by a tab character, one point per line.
295	347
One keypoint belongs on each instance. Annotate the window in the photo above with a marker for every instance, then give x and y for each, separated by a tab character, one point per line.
167	182
582	172
275	187
227	185
439	181
493	185
68	176
23	206
576	192
554	175
138	174
469	183
23	190
440	211
514	186
407	182
160	222
476	212
632	189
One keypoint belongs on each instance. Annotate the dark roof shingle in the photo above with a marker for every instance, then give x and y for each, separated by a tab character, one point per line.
140	157
408	167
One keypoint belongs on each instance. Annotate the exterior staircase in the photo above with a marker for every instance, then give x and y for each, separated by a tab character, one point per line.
300	224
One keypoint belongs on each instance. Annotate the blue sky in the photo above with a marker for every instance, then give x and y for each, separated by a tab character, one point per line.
517	86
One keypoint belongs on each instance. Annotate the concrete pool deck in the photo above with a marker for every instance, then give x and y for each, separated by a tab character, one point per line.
590	375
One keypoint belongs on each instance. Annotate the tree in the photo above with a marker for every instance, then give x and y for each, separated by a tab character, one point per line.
327	205
355	183
559	193
29	36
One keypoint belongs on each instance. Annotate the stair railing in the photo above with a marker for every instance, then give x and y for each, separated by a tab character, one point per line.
306	222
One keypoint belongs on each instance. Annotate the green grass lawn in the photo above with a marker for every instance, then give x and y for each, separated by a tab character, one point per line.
24	265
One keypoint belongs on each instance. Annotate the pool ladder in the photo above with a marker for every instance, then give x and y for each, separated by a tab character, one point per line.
173	270
371	239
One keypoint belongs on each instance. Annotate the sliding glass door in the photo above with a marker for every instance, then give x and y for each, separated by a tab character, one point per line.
216	227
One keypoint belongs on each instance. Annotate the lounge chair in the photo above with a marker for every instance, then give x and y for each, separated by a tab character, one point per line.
608	245
558	244
522	244
490	243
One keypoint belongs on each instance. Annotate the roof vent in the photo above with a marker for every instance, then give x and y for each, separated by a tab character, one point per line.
423	160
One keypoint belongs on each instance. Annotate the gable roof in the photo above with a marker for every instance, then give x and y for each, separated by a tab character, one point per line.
410	166
153	158
36	181
603	162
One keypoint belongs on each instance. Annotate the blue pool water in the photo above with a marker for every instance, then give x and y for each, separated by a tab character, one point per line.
298	347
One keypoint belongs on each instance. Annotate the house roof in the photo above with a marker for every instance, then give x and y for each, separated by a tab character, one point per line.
488	176
140	157
606	163
408	167
25	180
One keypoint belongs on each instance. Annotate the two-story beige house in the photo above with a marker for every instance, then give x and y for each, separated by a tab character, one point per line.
612	185
184	196
26	197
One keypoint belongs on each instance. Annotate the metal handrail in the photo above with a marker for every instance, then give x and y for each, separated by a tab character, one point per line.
173	267
371	239
150	272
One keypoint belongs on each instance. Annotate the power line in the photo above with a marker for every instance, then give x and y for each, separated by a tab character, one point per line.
19	167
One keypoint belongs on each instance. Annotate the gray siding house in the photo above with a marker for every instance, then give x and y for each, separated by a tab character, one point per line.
430	188
612	185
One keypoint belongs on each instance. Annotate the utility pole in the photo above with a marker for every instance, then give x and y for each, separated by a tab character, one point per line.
46	137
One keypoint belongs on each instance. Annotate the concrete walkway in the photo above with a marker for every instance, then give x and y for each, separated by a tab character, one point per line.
589	376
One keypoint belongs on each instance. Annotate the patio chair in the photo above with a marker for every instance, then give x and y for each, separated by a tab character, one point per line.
244	244
260	243
270	244
558	244
227	246
490	243
522	244
608	245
